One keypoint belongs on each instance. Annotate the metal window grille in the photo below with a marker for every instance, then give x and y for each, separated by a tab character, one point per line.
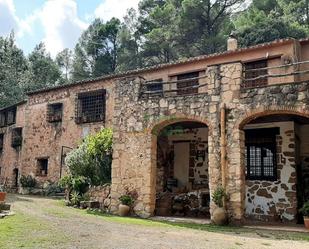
1	142
262	64
17	137
54	112
187	84
260	156
90	107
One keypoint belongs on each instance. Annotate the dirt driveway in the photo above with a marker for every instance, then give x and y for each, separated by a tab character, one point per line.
57	226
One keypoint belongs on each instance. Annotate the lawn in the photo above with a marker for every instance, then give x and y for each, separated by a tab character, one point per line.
21	231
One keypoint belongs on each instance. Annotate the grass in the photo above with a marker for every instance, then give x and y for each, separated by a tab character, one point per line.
21	231
280	235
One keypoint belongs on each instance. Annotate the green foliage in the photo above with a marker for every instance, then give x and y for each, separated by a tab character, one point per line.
78	184
126	200
218	195
75	198
27	181
305	209
96	50
92	159
268	20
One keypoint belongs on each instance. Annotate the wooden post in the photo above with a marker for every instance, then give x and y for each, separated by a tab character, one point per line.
223	149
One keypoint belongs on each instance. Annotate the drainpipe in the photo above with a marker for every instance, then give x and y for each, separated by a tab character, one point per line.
223	149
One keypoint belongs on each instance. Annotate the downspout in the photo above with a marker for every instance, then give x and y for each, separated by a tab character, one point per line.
223	149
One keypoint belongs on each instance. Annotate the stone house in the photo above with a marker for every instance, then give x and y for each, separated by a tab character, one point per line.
239	119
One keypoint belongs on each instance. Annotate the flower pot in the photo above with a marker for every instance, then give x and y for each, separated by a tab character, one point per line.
2	196
219	216
124	210
306	222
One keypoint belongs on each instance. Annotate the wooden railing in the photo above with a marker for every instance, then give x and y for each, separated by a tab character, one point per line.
170	87
288	73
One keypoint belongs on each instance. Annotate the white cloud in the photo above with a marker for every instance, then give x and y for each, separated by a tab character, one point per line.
114	8
61	25
8	18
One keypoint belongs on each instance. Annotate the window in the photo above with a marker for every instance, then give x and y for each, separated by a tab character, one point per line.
255	69
8	117
184	87
155	86
90	107
54	112
1	142
260	156
42	166
2	119
17	137
11	116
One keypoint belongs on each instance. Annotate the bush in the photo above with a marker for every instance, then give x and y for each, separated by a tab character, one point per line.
218	195
92	159
79	184
126	200
305	209
27	181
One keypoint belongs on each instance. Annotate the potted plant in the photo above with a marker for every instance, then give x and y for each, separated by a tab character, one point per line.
2	194
219	216
305	211
125	204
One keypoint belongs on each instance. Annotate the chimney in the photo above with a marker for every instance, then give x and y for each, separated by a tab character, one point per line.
232	42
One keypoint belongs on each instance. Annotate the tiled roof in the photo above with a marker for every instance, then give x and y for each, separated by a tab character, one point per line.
164	65
16	104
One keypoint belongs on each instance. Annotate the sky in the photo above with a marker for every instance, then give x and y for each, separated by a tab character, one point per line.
58	23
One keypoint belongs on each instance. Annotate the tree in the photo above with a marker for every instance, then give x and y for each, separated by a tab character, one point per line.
129	43
96	50
44	71
64	62
14	71
267	20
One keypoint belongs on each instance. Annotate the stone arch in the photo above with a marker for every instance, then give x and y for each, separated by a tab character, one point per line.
157	126
264	111
154	130
271	110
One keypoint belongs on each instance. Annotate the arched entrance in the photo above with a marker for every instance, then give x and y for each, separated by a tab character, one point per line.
276	163
182	179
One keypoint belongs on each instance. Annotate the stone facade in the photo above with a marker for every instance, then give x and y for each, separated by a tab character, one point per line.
276	200
137	120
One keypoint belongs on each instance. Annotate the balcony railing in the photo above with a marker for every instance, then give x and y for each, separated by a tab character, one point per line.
196	85
281	74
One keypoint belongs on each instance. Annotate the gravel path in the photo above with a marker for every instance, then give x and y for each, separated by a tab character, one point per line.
91	232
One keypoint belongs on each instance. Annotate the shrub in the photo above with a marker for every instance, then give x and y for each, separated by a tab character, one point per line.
75	198
92	159
27	181
218	195
305	209
126	200
71	183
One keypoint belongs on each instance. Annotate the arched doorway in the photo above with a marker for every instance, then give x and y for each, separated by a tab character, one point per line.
182	179
276	164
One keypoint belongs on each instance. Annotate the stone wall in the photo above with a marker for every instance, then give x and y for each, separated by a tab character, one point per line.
276	200
102	194
45	139
11	158
138	121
